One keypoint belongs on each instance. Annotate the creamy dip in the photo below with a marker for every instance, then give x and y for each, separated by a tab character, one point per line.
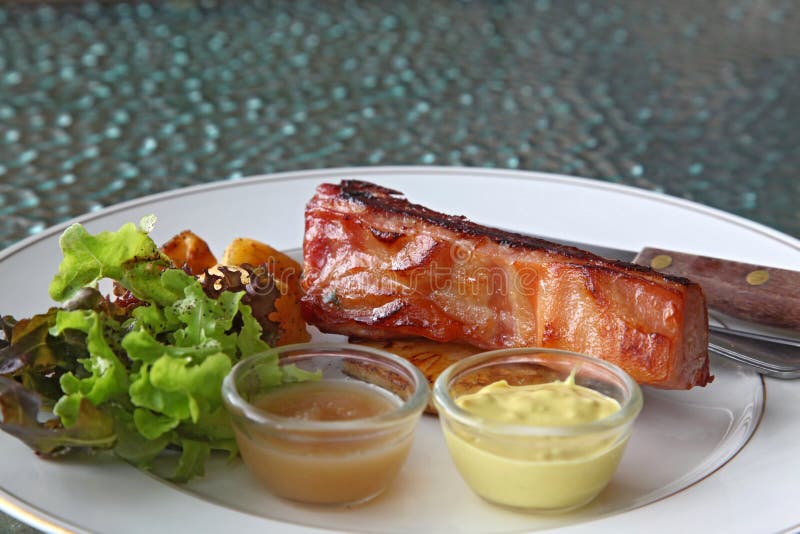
552	471
550	404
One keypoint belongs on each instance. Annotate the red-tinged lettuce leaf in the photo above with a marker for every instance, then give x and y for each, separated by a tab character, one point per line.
37	359
6	327
93	429
28	345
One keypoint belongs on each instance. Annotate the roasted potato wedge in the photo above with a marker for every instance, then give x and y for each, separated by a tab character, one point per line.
188	250
245	250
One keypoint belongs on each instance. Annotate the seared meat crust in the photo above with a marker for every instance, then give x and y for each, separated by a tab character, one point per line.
377	266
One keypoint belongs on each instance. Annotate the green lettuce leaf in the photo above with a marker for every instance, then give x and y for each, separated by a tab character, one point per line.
132	446
89	258
192	461
108	377
152	425
139	378
249	341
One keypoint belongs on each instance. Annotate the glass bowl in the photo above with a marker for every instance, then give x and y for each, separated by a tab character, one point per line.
324	450
535	468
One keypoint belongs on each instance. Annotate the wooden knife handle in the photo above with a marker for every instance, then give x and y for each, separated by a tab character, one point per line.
765	295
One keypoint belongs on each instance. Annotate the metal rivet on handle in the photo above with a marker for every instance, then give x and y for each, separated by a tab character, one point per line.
756	278
662	261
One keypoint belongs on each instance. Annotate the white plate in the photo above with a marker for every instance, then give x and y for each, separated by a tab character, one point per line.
707	459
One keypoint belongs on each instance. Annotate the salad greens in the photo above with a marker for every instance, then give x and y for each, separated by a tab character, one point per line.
137	374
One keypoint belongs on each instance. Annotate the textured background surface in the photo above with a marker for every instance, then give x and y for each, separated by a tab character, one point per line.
104	102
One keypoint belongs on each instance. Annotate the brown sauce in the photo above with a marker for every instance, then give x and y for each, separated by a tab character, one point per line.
336	467
327	400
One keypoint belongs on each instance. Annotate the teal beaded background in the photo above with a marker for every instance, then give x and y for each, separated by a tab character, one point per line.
103	102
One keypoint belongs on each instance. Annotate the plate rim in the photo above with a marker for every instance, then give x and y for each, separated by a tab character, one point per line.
33	515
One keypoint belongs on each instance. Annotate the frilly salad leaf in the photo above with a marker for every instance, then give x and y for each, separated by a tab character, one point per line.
89	258
92	428
135	379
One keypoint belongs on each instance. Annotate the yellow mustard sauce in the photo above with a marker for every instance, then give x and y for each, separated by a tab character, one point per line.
548	472
550	404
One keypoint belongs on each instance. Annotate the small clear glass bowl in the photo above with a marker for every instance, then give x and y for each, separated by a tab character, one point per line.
335	462
535	468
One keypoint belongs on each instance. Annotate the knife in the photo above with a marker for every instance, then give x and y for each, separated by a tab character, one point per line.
754	310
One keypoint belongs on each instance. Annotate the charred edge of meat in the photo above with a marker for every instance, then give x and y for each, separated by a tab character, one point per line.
382	198
384	236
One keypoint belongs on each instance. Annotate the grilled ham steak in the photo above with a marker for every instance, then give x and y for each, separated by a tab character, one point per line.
379	267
